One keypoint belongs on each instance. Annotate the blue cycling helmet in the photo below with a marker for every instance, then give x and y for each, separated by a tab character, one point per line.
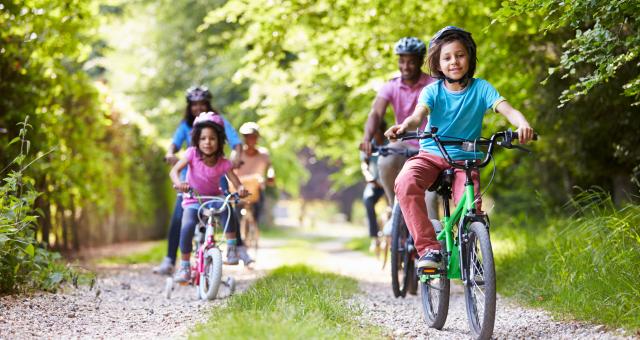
410	45
450	33
198	93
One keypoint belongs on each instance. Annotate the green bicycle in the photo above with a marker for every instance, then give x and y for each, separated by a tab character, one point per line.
469	255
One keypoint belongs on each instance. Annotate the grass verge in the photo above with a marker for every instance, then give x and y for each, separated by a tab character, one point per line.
360	244
585	266
291	302
155	254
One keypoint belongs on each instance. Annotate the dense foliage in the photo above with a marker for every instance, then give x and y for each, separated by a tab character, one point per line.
99	180
22	263
316	65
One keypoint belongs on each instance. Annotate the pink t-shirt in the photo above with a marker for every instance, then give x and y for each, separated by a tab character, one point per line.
202	178
403	98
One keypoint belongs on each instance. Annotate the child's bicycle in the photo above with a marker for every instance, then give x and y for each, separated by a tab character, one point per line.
206	270
468	254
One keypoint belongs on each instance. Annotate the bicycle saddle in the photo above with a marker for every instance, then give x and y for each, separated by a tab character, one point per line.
443	182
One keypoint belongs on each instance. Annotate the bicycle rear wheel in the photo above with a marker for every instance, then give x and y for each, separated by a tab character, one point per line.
210	279
399	254
480	288
435	292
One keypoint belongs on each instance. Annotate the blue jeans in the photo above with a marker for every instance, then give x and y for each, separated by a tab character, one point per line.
190	220
173	239
371	196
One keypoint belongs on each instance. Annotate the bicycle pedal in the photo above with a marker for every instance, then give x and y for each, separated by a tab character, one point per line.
428	271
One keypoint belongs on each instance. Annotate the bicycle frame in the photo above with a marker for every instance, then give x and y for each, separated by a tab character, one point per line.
467	203
211	225
209	242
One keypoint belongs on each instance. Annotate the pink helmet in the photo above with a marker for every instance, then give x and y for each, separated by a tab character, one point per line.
209	117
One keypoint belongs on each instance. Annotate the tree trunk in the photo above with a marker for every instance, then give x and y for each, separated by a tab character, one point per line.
75	221
623	189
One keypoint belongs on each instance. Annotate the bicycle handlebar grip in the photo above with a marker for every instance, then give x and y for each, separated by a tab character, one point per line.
515	135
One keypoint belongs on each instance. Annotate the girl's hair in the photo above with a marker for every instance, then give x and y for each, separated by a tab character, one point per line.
188	115
433	58
197	132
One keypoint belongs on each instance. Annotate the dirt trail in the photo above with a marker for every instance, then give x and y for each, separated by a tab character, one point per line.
402	317
127	300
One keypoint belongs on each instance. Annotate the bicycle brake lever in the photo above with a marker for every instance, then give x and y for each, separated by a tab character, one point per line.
521	148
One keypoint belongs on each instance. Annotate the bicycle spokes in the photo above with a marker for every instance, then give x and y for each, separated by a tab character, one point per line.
476	279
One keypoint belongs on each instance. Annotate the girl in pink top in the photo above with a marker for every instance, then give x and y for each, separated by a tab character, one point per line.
206	165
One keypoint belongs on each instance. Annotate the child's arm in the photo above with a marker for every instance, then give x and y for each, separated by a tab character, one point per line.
412	122
515	117
174	174
236	183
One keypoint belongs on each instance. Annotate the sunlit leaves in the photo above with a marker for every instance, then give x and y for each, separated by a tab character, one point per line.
607	37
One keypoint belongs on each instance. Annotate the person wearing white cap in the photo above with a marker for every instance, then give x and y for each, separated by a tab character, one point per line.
256	164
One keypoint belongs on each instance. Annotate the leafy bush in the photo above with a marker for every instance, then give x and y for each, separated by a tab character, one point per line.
585	265
24	265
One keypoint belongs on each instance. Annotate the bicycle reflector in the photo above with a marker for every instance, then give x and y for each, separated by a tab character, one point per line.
428	271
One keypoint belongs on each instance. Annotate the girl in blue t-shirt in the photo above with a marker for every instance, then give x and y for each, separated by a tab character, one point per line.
456	104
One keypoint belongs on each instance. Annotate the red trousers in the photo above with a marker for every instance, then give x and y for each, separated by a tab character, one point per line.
416	176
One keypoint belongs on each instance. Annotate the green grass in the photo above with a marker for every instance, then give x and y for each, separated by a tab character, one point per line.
584	267
155	254
275	232
289	233
293	302
360	244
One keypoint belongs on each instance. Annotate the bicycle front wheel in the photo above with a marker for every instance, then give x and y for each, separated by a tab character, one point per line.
399	254
210	279
480	288
435	292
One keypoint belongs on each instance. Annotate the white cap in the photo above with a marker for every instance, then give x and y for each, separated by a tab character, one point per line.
249	128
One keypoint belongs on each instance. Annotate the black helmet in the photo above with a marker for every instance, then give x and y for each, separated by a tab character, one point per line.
198	93
448	30
410	45
468	42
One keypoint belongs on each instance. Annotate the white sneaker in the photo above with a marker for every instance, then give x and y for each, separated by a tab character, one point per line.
165	267
244	255
232	255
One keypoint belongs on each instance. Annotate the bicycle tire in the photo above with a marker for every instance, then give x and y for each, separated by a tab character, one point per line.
435	293
410	271
399	233
212	275
481	278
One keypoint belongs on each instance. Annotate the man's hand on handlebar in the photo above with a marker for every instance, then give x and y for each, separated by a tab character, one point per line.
366	147
393	132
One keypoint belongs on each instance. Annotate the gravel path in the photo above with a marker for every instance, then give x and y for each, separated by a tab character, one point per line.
402	318
127	302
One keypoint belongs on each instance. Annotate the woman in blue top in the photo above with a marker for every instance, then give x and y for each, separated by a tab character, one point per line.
198	101
456	105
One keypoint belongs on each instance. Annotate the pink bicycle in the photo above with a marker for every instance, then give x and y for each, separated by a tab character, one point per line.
206	266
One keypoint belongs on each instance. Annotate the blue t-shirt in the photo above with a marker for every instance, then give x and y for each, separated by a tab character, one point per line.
182	136
457	114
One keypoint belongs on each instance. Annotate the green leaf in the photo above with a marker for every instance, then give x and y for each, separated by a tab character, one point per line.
16	139
30	250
